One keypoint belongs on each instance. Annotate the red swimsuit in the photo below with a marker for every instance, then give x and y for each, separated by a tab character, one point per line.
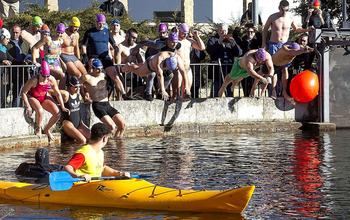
39	91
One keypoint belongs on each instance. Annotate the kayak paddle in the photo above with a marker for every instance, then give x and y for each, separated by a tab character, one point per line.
62	180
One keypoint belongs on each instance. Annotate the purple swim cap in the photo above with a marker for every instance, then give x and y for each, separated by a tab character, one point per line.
261	53
162	28
295	46
184	28
100	18
61	28
45	68
173	37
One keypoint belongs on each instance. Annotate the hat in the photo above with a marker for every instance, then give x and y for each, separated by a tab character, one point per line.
36	21
74	22
73	80
316	3
45	29
60	28
162	28
171	63
184	28
45	68
100	18
261	53
4	33
173	36
116	21
96	63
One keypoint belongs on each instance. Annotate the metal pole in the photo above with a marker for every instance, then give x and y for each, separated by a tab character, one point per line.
344	13
255	12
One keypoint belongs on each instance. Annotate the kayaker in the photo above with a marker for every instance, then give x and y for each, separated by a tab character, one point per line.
88	161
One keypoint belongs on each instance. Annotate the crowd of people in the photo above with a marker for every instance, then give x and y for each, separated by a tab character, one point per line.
68	74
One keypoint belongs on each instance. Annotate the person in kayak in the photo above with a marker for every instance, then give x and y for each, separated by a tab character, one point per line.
88	161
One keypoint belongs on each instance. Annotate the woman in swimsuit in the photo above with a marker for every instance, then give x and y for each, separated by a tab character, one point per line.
52	50
72	123
35	97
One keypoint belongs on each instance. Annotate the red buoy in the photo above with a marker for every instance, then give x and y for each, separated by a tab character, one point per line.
304	86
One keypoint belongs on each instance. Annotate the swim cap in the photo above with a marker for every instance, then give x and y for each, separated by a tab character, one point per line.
60	28
116	21
45	29
295	46
173	36
73	80
171	63
4	33
74	22
100	18
162	28
96	63
36	21
316	3
261	53
184	28
45	68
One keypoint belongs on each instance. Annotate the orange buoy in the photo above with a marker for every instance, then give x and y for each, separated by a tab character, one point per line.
304	86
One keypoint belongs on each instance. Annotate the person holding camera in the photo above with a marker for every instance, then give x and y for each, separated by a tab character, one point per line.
222	48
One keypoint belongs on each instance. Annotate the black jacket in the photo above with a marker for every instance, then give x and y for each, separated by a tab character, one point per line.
115	9
224	51
244	43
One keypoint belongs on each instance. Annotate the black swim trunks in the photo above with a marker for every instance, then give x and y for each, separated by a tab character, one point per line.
147	62
103	108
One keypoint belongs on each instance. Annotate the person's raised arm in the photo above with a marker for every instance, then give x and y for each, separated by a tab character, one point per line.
197	44
36	47
299	29
265	30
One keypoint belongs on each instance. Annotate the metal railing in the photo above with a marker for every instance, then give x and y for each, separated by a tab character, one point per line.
207	80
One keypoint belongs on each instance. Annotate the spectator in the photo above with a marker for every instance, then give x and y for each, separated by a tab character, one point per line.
113	7
280	24
316	17
96	86
221	47
252	39
6	59
197	56
70	53
35	97
72	123
52	50
9	5
304	60
19	49
95	45
247	15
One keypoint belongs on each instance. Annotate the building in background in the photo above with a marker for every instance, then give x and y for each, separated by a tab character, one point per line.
205	11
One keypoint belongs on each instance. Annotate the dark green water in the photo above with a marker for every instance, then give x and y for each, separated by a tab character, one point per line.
297	176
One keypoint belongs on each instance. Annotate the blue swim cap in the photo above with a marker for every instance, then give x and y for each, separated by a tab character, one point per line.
96	63
116	21
171	63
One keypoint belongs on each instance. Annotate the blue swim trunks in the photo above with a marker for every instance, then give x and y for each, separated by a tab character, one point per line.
273	47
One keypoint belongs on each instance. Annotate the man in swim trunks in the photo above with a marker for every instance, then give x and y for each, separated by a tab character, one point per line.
95	45
187	45
96	87
245	66
280	24
32	35
70	53
282	59
88	161
157	63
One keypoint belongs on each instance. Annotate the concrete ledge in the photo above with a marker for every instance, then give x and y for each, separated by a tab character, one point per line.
318	127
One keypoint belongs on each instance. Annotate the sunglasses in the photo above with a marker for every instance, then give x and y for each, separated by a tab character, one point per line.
76	86
101	23
45	76
285	10
133	37
250	32
99	70
163	32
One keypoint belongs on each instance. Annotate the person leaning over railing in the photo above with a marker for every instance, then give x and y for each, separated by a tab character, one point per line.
6	59
19	49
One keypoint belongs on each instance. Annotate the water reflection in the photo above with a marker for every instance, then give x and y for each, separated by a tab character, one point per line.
296	175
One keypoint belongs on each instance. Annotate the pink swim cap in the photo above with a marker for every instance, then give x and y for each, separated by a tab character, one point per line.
162	28
45	68
261	53
100	18
295	46
173	36
184	28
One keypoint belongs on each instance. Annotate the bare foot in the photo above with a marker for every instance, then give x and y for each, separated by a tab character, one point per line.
50	136
38	131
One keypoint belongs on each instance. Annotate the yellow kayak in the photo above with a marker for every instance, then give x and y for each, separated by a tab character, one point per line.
131	194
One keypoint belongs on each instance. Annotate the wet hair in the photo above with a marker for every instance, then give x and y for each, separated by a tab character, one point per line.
98	131
284	3
132	30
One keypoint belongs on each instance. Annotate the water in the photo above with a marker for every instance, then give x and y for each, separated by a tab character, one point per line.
297	176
